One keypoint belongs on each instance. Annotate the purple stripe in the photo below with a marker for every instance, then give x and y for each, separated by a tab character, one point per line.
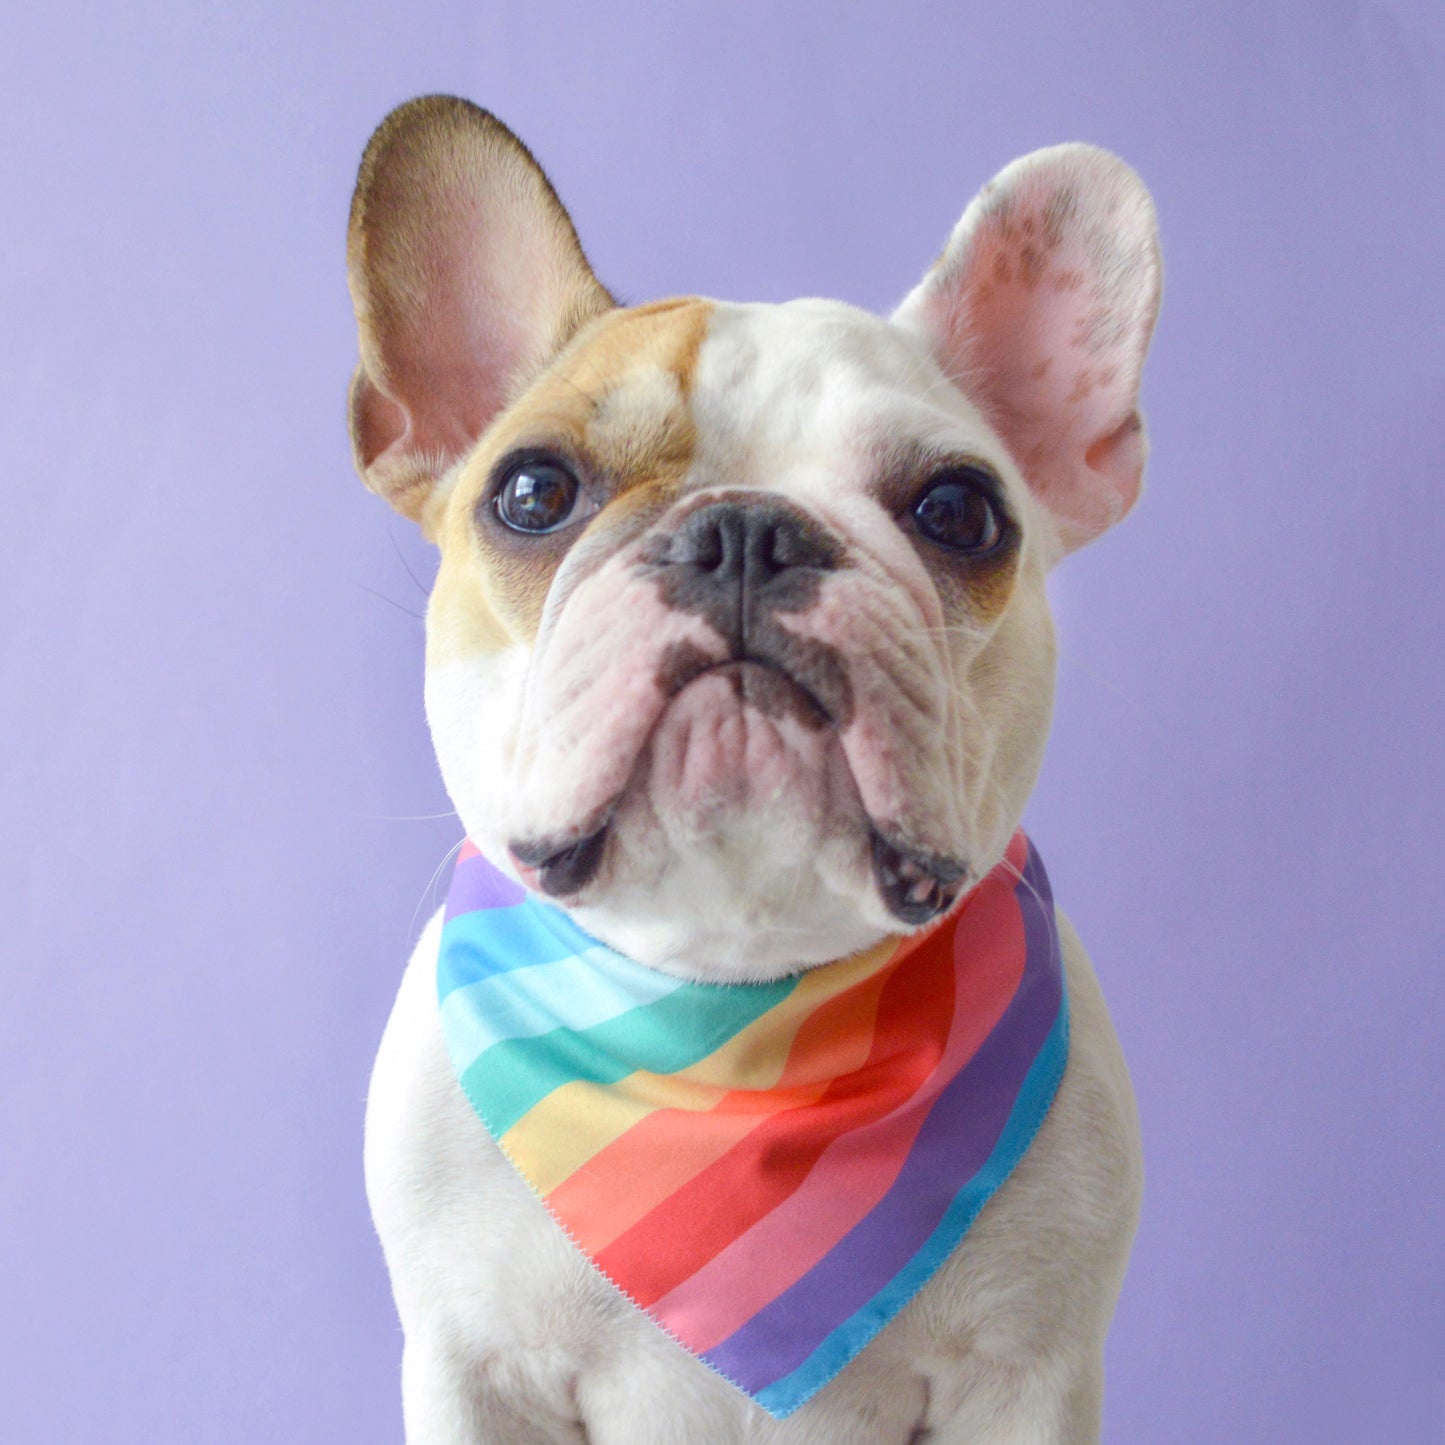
476	885
954	1143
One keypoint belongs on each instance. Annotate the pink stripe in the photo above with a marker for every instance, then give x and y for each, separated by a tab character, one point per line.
855	1171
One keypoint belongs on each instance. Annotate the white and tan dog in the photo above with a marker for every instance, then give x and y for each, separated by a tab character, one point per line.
739	651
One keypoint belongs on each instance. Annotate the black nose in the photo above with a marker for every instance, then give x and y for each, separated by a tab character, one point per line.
740	562
734	560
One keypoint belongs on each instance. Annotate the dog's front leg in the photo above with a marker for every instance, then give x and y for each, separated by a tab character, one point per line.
1002	1406
448	1400
436	1404
1081	1416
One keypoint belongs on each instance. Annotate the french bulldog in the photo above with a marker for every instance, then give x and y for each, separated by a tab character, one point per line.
739	654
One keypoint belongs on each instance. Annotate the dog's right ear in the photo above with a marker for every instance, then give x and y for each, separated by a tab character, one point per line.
467	278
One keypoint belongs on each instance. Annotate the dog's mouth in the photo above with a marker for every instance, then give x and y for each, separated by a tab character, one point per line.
759	681
916	886
561	870
564	867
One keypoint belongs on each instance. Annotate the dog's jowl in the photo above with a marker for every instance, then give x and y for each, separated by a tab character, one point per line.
749	1087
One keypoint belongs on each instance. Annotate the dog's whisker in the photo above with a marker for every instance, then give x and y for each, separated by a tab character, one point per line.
1017	875
390	601
401	557
407	817
430	890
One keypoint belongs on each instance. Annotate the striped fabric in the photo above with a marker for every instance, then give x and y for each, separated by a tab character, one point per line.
770	1171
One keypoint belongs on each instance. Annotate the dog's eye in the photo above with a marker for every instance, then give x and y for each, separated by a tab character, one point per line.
958	512
537	496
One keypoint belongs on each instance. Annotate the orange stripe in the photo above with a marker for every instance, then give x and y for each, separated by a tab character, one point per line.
638	1171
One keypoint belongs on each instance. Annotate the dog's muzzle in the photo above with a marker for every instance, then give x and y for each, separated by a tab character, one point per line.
742	562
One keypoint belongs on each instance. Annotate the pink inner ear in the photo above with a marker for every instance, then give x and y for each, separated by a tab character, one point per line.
467	277
447	353
1041	310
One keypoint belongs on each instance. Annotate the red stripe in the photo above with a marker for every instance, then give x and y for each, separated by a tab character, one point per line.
638	1170
850	1180
731	1195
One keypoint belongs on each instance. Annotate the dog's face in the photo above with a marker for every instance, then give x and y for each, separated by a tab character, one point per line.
739	647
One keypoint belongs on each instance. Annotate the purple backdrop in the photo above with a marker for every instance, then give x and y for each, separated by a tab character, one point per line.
218	796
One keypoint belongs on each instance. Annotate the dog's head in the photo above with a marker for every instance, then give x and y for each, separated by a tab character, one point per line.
739	647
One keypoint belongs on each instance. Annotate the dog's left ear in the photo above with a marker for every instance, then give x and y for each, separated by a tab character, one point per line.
467	278
1041	308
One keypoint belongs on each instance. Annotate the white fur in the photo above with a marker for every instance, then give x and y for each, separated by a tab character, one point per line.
511	1337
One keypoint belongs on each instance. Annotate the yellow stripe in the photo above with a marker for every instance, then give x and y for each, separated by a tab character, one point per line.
561	1132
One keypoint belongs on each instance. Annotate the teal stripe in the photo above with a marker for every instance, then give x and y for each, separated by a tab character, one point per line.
496	940
576	992
659	1037
835	1350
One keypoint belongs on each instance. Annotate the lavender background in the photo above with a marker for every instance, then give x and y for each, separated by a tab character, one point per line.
215	774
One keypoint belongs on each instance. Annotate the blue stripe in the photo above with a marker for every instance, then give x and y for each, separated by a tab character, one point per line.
1041	1083
576	992
495	940
661	1037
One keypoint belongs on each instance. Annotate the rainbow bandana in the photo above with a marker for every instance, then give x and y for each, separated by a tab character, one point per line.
770	1171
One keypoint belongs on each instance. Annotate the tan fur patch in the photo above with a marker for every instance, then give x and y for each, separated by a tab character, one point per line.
615	406
973	591
977	592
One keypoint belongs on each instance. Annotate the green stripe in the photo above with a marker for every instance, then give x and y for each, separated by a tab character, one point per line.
660	1037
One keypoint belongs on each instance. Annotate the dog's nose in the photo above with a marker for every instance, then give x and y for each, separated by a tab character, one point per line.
750	554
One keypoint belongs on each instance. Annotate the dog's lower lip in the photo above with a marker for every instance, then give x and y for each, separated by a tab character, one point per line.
820	715
916	886
562	869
